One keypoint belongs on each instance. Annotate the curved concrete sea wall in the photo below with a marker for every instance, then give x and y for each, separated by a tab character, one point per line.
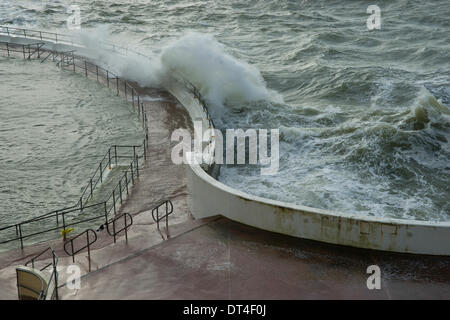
209	197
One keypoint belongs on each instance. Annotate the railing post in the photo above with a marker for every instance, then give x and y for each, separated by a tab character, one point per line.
64	224
114	201
20	235
146	129
81	203
115	154
101	172
73	254
145	151
157	217
107	77
139	106
167	219
167	226
137	166
109	158
126	181
120	191
55	272
85	68
125	89
117	83
7	48
143	117
132	173
23	48
125	224
89	250
114	230
96	67
92	190
132	96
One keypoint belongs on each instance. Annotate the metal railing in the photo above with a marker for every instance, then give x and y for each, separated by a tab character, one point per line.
66	218
53	275
61	38
36	34
68	39
69	60
122	186
202	102
126	218
73	252
165	215
110	159
56	37
27	50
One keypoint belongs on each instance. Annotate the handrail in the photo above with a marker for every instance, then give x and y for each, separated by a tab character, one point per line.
28	33
42	35
168	212
54	273
86	188
122	186
59	38
114	47
35	257
88	245
199	97
129	177
106	161
125	215
25	49
109	156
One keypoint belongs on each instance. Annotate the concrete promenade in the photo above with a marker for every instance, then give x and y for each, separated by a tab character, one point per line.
223	259
159	180
216	258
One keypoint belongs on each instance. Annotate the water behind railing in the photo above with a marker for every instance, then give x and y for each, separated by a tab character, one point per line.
98	204
114	174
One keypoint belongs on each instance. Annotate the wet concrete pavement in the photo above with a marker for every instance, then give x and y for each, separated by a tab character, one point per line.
221	259
227	260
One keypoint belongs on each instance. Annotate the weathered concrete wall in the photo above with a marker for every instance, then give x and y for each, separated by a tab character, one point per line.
209	197
178	89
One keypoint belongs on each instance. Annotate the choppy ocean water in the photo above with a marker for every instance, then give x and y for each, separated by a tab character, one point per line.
364	116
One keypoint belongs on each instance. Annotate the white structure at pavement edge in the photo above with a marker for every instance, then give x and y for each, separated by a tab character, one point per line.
209	197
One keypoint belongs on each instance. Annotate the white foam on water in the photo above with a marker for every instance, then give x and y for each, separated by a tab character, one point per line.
222	79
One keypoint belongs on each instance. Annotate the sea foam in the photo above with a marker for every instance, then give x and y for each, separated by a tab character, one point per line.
223	80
